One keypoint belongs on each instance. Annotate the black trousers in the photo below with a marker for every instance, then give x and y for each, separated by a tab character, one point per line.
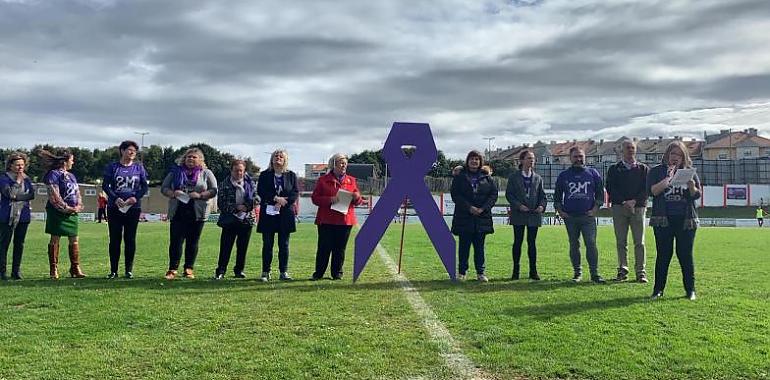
18	235
238	234
187	231
122	229
268	240
664	243
332	239
464	247
101	213
518	242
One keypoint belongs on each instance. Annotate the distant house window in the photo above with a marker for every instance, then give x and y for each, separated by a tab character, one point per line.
746	153
722	156
90	192
42	191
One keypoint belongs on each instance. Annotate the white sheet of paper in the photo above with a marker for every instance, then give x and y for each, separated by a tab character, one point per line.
682	176
184	198
240	215
125	208
344	198
272	210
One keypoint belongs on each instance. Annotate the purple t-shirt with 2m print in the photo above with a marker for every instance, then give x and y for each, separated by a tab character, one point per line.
67	185
124	182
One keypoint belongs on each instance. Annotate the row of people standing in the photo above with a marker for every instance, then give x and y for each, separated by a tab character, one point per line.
276	190
578	195
189	187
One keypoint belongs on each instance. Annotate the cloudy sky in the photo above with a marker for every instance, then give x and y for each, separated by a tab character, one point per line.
316	77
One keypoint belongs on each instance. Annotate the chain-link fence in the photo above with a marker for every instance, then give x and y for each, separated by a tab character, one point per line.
711	173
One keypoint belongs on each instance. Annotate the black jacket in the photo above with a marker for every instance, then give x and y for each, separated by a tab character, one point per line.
285	220
485	197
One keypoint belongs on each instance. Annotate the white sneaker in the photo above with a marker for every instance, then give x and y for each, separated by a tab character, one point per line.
460	277
285	276
265	277
483	278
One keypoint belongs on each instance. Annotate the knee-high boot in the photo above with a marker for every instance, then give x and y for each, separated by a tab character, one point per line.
74	251
53	260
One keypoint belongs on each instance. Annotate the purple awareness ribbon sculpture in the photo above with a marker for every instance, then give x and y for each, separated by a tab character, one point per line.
407	180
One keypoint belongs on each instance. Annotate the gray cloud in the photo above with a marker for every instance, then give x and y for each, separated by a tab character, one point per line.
328	76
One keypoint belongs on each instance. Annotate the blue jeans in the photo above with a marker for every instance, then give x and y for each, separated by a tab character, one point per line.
464	251
585	225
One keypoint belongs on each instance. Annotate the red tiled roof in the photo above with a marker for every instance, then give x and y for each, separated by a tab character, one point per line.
318	167
735	138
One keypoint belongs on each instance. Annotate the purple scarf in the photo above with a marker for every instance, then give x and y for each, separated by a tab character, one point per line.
248	189
184	176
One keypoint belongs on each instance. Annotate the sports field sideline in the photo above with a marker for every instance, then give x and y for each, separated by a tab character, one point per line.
152	328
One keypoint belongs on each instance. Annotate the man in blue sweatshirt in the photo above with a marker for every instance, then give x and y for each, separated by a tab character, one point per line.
579	194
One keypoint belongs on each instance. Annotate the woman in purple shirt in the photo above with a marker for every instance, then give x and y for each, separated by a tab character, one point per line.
125	183
64	204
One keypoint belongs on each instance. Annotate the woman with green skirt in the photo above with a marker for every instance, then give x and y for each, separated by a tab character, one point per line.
61	210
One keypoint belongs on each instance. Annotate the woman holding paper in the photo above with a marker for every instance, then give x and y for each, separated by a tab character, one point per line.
236	217
336	194
61	210
189	186
674	186
125	182
16	191
277	189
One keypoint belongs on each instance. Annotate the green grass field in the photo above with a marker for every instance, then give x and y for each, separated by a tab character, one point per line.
203	329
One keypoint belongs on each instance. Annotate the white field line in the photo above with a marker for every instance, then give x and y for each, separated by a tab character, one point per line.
450	351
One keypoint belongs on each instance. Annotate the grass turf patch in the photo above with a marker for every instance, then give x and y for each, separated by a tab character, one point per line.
152	328
557	329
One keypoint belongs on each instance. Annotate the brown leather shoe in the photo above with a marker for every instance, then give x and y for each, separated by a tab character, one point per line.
170	275
53	260
188	273
74	251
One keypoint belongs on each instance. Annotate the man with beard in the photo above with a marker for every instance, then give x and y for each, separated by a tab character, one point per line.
579	194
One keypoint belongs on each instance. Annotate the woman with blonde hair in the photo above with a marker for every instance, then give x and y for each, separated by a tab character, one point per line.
333	226
64	204
189	187
16	191
277	190
674	217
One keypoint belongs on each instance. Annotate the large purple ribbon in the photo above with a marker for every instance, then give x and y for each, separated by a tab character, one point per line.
407	180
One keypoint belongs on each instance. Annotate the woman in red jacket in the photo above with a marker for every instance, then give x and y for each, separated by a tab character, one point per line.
334	226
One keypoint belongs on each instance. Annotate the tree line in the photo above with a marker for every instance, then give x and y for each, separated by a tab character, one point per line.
157	160
441	168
